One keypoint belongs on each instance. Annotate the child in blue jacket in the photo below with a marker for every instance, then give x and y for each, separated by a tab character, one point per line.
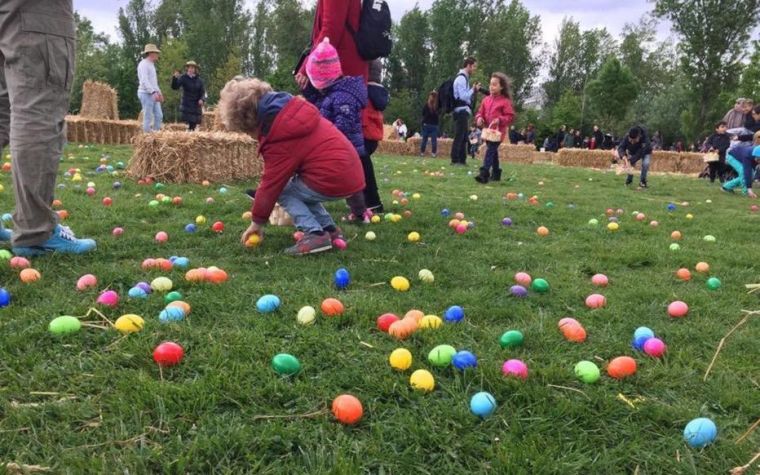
743	158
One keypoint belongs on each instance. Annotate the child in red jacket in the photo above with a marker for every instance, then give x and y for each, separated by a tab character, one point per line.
306	160
496	112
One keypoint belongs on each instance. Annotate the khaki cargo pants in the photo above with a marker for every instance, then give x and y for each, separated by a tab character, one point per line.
36	71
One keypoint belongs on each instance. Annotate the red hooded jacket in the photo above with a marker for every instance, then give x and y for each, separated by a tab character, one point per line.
302	142
497	107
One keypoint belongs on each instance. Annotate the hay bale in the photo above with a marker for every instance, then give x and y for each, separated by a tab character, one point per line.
575	157
209	120
389	132
174	126
542	157
393	147
73	128
516	153
99	101
665	161
691	163
179	157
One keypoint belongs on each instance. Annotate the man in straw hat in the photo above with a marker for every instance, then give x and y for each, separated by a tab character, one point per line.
37	42
193	94
148	90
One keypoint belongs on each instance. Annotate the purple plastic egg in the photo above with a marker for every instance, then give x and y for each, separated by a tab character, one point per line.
518	291
506	222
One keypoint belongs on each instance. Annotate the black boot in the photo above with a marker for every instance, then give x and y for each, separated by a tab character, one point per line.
496	175
482	177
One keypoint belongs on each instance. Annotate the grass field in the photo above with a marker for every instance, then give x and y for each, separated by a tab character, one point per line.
94	402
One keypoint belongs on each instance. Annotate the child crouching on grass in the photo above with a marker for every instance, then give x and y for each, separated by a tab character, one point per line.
340	99
306	160
496	113
743	158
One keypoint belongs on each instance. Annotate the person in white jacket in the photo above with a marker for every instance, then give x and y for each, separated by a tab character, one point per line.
148	91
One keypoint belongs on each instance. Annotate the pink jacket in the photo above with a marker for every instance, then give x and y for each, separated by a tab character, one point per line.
497	107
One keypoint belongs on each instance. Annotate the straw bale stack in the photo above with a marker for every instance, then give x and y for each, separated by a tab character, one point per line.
389	132
516	153
542	157
99	101
209	120
575	157
444	147
174	126
393	147
691	163
107	132
180	157
664	161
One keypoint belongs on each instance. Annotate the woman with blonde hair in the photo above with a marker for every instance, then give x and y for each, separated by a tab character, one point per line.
430	124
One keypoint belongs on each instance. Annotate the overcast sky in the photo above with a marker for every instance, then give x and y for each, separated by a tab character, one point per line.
612	14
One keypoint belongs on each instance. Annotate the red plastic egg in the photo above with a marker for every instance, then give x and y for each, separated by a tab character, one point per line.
168	354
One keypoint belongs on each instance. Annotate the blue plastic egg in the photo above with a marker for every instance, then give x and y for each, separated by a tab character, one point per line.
454	314
190	228
463	360
109	168
171	314
5	298
7	217
222	190
482	404
137	293
700	432
181	262
640	336
116	185
342	278
268	303
445	212
671	207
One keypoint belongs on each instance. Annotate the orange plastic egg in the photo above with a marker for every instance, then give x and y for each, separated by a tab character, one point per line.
347	409
622	367
416	314
703	267
28	276
62	214
542	231
683	274
574	333
216	276
196	275
183	305
332	307
57	203
164	264
676	235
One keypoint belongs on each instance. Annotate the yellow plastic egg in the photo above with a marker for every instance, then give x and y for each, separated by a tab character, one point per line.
370	236
306	315
161	284
395	218
400	359
400	283
200	219
416	196
426	276
413	236
422	380
613	227
430	322
375	219
253	240
129	323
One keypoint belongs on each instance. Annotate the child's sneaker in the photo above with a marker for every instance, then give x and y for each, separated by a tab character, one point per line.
310	244
62	240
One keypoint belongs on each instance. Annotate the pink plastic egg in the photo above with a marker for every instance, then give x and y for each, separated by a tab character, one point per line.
678	309
515	368
161	236
90	191
600	280
117	231
109	298
86	281
523	278
655	347
654	224
596	301
340	244
20	263
461	229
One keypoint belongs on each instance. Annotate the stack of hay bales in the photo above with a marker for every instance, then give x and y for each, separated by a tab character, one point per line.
516	153
179	157
394	147
691	163
389	132
82	129
209	120
576	157
663	161
99	101
444	146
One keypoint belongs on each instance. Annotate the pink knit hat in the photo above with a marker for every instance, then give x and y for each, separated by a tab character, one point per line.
323	65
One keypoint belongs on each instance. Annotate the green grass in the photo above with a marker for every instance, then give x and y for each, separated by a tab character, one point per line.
200	418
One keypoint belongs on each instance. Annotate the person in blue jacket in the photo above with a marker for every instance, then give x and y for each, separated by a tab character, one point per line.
743	158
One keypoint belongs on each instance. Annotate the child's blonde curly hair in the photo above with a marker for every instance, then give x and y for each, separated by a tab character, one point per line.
239	103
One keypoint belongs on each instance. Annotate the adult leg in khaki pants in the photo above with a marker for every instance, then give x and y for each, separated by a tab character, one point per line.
36	71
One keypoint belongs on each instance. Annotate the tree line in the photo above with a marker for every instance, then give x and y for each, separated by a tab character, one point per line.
680	86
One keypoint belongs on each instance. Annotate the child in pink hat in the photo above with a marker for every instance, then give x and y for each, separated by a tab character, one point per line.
340	99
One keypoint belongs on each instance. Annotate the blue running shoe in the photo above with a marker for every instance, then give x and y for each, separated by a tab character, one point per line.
62	240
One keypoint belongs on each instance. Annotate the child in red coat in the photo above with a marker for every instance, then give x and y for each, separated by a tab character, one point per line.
306	160
495	112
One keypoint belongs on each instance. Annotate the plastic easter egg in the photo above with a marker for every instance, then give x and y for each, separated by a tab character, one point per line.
168	354
683	274
511	339
153	203
426	276
596	301
137	293
676	235
689	216
253	240
430	322
713	283
247	216
678	309
640	337
413	237
675	247
523	279
375	219
540	285
129	323
181	262
400	359
171	314
161	237
463	360
482	404
461	228
593	222
268	303
454	314
599	280
190	228
217	227
754	208
29	275
587	371
416	315
5	297
172	296
441	355
671	207
161	284
342	279
216	275
370	236
709	238
86	281
655	347
199	220
542	231
654	224
506	222
422	380
640	217
574	333
347	409
5	255
117	231
306	315
332	307
621	367
385	321
445	212
613	226
64	325
518	291
222	190
180	304
400	283
402	329
109	298
340	244
700	433
702	267
107	201
515	368
285	364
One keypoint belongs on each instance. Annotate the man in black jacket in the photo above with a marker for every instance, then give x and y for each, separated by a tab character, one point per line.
633	148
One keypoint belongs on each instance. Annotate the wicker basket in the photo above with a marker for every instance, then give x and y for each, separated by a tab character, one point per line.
711	157
491	135
280	217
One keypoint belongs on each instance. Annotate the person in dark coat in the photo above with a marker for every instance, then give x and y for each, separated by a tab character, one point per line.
193	94
598	137
719	143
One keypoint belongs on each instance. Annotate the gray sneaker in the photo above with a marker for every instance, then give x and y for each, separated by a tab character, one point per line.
310	244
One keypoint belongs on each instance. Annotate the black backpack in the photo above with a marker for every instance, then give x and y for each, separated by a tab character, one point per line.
446	101
373	40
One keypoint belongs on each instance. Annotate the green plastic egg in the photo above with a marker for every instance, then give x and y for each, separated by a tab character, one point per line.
540	285
441	355
285	364
64	325
511	339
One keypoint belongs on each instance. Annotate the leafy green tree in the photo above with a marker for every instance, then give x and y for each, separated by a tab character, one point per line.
711	33
173	57
262	50
567	111
231	68
91	60
290	33
750	81
412	52
611	94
